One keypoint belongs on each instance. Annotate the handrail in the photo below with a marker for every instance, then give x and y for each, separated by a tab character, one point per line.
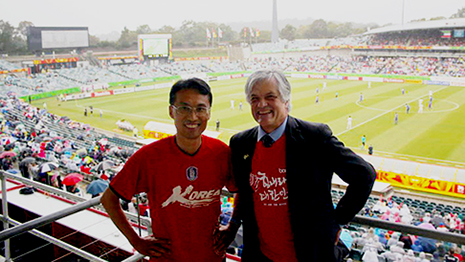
62	244
82	204
362	220
133	258
414	230
44	220
144	221
5	213
42	186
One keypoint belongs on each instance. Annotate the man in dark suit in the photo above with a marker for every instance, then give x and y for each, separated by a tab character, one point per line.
283	169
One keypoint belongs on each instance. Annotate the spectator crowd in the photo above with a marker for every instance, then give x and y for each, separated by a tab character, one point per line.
47	148
374	244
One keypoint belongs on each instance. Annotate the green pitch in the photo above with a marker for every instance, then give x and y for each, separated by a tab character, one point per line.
437	135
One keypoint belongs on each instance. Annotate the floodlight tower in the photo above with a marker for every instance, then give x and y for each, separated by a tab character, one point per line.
274	26
403	10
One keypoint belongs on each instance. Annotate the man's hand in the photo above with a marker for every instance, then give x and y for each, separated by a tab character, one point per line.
147	246
152	247
223	236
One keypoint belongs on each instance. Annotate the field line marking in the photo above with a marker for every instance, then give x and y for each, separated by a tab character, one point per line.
127	114
413	158
386	112
455	106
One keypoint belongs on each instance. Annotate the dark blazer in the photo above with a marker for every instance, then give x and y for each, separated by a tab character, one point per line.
313	154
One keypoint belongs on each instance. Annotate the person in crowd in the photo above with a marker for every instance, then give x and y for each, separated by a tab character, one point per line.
441	250
25	167
274	165
450	257
416	246
183	176
409	257
370	256
422	257
73	189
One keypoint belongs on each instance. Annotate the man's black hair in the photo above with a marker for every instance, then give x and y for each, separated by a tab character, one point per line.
192	83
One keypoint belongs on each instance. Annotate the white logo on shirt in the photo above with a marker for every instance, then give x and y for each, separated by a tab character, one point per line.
192	199
271	190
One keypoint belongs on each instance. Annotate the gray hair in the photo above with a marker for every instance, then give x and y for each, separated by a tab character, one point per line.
262	75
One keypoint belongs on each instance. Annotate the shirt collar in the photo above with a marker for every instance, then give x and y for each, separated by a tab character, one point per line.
276	134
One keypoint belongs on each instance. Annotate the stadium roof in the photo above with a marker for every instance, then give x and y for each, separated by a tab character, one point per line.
423	25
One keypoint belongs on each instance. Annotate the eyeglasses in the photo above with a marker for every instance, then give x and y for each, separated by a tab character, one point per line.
187	110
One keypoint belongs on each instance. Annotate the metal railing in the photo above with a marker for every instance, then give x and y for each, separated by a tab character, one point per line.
31	226
409	229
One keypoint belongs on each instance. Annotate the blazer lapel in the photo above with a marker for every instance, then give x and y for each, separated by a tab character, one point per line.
293	138
249	148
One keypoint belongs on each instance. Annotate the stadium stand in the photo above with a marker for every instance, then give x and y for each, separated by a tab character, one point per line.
74	77
5	65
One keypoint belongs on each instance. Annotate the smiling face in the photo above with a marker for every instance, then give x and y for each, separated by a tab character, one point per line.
189	126
268	109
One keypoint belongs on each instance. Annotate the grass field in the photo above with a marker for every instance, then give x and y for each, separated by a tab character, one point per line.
435	136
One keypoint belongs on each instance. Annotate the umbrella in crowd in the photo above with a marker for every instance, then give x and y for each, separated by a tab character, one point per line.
6	140
103	141
55	176
46	167
81	152
27	160
104	165
71	165
68	149
7	154
97	186
65	119
72	179
26	150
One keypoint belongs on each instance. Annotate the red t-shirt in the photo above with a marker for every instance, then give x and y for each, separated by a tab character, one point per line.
268	179
183	192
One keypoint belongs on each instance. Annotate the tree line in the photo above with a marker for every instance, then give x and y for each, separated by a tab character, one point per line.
191	34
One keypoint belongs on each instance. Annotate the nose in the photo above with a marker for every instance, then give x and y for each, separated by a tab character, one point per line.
192	115
262	103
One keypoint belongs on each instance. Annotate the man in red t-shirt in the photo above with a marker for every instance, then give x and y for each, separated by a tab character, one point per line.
183	176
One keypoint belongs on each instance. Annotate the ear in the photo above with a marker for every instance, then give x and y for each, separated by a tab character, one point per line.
171	111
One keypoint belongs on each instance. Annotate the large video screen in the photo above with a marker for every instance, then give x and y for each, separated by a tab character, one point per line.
156	47
43	38
153	46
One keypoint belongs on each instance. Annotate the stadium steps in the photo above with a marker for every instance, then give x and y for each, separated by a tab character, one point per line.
332	67
89	58
381	69
119	74
164	70
207	69
69	78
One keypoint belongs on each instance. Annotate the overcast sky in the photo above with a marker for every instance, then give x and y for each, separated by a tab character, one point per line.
102	16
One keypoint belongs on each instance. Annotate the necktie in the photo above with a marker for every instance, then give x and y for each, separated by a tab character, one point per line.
267	140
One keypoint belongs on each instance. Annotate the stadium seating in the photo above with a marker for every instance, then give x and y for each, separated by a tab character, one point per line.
58	79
